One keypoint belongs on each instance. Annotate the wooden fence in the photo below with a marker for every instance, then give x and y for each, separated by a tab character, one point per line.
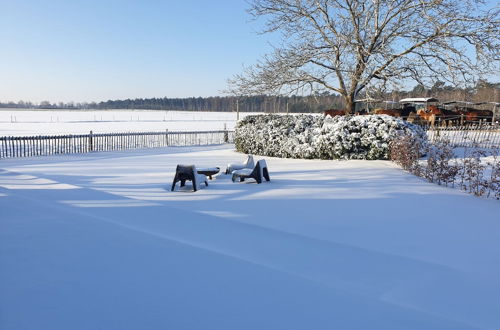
28	146
484	136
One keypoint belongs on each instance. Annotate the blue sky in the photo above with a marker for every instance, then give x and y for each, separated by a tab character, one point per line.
95	50
99	50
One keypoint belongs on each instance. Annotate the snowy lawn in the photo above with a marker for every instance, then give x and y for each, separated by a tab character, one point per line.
99	241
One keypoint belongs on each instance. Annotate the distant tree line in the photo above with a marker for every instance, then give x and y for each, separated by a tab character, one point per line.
483	91
262	103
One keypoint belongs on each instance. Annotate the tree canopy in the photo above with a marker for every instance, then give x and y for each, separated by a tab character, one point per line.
350	46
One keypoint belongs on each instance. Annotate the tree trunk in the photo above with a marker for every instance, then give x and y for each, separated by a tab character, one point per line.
349	105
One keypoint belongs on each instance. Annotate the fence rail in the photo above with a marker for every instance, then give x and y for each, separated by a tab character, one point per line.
28	146
483	136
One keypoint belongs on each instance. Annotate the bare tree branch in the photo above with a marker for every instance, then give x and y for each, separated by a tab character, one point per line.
345	45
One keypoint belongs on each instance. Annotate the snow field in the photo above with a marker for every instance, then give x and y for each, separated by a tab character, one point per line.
99	241
15	122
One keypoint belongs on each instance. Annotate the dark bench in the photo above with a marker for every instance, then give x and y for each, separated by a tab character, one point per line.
185	173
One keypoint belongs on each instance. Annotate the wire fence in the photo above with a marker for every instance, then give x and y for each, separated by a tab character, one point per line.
29	146
481	135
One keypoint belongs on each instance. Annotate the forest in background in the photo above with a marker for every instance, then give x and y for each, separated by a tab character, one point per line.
484	91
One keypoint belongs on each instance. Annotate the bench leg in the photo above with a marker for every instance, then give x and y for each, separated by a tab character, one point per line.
266	174
176	178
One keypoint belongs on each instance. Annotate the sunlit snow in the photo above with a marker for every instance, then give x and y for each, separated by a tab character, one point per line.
98	241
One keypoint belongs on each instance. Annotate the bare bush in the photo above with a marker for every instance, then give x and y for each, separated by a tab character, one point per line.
470	173
494	179
441	168
406	152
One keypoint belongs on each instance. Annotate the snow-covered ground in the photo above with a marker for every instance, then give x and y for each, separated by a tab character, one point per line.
14	122
98	241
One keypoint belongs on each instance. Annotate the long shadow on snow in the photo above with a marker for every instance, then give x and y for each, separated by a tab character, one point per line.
288	247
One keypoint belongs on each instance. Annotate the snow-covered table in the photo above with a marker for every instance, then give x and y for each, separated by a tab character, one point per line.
208	171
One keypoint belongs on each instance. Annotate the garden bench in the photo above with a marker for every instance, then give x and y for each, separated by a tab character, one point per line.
249	163
185	173
257	173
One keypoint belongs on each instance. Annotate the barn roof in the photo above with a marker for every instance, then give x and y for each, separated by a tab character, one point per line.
469	103
418	100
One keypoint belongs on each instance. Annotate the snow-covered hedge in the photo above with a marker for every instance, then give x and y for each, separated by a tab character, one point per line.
313	136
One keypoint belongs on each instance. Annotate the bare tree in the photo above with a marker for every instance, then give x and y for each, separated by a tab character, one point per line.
343	46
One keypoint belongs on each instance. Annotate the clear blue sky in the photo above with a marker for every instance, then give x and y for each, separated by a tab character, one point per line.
94	50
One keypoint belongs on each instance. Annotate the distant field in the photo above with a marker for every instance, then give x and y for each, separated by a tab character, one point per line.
25	122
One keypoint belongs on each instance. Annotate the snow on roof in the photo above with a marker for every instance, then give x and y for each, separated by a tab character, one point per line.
419	100
366	100
469	103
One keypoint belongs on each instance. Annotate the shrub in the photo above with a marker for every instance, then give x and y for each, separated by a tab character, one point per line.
477	173
313	136
406	153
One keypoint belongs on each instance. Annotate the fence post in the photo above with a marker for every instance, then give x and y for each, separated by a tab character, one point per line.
91	142
237	110
226	134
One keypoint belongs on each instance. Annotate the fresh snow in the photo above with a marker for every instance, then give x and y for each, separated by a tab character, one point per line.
98	241
15	122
